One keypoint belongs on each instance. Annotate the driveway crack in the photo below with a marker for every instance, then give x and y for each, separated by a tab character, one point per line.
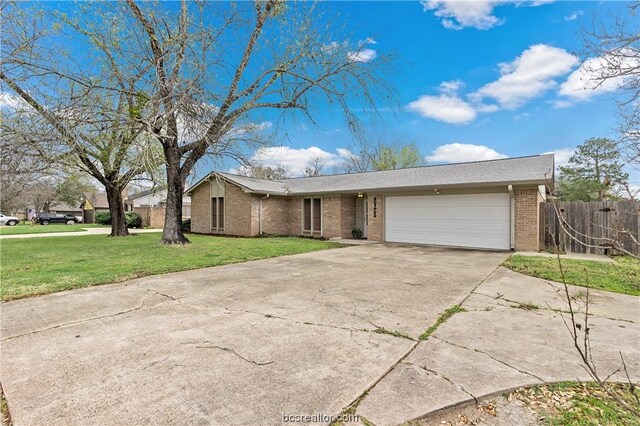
429	370
78	321
514	304
492	357
233	351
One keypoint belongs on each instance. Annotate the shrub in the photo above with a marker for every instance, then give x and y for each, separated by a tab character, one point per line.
356	233
103	218
186	225
133	220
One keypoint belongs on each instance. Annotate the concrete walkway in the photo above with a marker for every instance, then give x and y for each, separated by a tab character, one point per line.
88	231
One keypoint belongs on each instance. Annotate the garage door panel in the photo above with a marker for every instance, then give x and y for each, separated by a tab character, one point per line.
479	220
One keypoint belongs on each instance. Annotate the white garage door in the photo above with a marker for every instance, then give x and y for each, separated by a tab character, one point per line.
478	220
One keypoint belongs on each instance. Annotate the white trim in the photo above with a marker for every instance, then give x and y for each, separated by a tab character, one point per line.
512	218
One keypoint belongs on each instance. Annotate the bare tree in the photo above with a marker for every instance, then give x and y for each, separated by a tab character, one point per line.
578	326
384	156
93	113
315	167
222	66
21	165
613	41
261	171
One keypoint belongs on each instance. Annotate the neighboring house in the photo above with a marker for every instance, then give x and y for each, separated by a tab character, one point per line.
151	198
65	209
92	204
150	205
486	204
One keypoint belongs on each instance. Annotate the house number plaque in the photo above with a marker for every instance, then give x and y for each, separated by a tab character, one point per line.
375	207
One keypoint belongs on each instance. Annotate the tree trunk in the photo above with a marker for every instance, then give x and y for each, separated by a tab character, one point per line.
172	231
116	208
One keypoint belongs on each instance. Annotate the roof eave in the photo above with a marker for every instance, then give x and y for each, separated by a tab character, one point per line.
423	187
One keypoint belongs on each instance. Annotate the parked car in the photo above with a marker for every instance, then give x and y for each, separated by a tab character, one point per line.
47	218
9	220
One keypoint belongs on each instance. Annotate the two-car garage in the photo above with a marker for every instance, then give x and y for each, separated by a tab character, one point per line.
461	220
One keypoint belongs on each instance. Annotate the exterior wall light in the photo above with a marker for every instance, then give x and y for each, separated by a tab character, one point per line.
360	195
436	191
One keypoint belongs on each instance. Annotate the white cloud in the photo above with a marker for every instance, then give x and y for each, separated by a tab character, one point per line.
363	55
487	108
575	15
296	159
587	81
447	108
521	116
462	153
528	76
12	102
459	14
558	104
562	155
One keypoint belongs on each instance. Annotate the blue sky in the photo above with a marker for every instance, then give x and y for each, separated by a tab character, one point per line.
473	80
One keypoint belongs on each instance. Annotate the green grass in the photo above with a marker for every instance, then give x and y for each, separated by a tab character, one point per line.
583	404
441	319
394	333
620	277
27	228
45	265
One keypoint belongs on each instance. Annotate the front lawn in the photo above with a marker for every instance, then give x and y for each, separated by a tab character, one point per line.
620	277
27	228
44	265
584	404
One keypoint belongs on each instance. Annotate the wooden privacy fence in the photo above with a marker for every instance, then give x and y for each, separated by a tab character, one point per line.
590	227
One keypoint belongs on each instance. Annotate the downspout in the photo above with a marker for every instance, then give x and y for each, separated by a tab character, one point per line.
260	212
512	208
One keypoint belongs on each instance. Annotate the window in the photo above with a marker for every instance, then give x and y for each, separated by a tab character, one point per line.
186	210
312	214
307	214
217	214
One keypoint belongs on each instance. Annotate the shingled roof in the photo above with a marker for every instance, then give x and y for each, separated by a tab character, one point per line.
521	170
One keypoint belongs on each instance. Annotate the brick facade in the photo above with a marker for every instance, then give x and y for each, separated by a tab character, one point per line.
338	216
527	219
375	229
277	215
152	217
238	211
282	215
200	210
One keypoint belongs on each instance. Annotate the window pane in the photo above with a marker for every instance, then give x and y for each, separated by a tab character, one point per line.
221	213
214	213
316	214
307	214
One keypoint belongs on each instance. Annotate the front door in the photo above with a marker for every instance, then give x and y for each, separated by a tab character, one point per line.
365	224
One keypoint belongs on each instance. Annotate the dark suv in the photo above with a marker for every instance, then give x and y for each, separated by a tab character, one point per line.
47	218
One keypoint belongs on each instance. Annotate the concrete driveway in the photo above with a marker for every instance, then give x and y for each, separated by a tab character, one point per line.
297	335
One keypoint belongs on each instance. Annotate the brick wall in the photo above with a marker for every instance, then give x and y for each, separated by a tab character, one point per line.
295	216
276	215
375	230
200	209
527	212
348	216
152	217
239	207
331	217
